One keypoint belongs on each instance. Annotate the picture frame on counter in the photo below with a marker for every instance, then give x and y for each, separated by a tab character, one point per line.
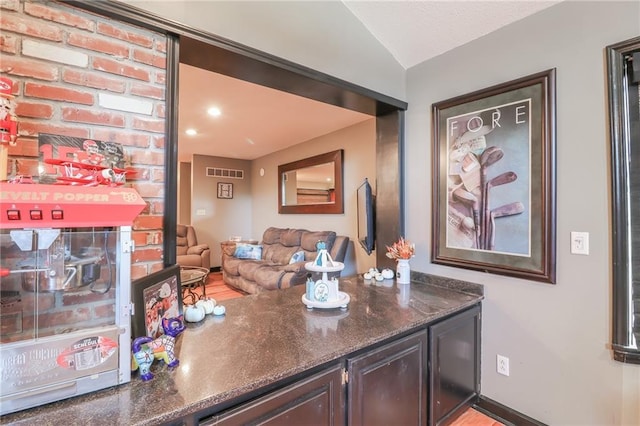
155	296
494	179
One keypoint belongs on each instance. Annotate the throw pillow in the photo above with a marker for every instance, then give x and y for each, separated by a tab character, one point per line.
297	257
248	251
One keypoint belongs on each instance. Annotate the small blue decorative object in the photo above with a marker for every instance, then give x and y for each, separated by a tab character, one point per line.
145	349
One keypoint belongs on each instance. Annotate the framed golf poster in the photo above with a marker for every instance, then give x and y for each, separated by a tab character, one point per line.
494	179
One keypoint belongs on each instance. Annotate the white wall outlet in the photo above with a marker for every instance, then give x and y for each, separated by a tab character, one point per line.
502	365
579	243
201	212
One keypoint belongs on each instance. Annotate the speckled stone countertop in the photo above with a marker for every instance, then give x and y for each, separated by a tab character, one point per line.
262	339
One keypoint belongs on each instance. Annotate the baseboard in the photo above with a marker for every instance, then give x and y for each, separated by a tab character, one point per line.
215	269
503	413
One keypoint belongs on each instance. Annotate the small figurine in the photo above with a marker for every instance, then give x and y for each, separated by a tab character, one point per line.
324	258
145	349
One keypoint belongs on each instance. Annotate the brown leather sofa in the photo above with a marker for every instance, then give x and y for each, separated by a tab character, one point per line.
273	269
188	251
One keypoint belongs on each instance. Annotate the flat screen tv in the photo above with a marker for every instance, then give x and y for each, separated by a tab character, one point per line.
366	217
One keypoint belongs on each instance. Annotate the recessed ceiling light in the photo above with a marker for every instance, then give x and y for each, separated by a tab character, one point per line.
191	132
214	112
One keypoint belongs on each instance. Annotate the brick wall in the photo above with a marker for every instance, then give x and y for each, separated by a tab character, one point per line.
79	74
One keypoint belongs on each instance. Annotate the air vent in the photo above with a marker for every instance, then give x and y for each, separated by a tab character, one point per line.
225	173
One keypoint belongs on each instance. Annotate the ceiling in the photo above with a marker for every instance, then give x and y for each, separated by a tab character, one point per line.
251	127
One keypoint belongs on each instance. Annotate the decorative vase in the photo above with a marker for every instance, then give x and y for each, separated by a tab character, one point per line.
403	272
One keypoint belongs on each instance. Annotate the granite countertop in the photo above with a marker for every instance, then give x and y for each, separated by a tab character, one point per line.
261	340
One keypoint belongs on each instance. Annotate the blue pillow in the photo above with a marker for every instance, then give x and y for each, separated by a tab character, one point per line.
297	257
248	251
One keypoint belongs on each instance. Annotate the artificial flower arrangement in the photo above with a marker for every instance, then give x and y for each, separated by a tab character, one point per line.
402	249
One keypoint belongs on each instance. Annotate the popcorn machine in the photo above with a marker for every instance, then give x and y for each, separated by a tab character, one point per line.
65	257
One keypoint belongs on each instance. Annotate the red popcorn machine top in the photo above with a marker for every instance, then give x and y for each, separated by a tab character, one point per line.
65	278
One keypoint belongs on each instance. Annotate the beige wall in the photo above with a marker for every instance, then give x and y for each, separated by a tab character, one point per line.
254	206
556	336
216	219
358	142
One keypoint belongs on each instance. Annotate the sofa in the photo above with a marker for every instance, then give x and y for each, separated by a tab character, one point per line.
188	251
278	261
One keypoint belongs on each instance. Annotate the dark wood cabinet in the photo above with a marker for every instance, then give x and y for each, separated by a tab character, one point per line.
454	365
427	377
388	385
316	400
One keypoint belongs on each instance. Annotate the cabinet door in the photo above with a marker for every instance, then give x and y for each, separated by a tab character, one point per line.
388	385
454	365
317	400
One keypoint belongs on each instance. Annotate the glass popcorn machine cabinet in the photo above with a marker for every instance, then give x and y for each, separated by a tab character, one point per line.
65	256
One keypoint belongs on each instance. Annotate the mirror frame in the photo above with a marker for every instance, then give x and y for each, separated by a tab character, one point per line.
329	208
625	189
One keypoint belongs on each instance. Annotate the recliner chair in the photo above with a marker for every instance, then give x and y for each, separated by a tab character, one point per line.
188	251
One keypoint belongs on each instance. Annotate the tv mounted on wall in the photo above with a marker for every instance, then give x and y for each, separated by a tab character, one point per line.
366	217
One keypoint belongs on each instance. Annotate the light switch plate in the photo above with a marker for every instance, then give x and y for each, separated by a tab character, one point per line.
580	243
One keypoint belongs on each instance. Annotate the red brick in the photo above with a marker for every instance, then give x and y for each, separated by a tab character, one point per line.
156	238
26	67
161	78
124	138
34	109
158	142
25	147
140	238
59	16
104	311
78	115
98	45
160	110
147	125
155	266
10	4
149	157
146	255
139	271
58	93
32	27
122	34
145	223
149	58
118	68
157	207
30	128
147	91
161	45
27	167
157	175
139	173
149	190
94	80
8	43
68	316
87	296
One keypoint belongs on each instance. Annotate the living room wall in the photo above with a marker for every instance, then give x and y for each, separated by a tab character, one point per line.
254	206
556	336
358	142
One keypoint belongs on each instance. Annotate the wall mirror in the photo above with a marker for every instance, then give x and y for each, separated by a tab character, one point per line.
623	61
312	185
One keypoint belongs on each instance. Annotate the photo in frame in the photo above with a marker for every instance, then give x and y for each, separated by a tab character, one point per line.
225	190
156	296
494	179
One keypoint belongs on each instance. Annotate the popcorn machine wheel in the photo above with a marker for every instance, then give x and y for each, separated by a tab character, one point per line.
65	265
